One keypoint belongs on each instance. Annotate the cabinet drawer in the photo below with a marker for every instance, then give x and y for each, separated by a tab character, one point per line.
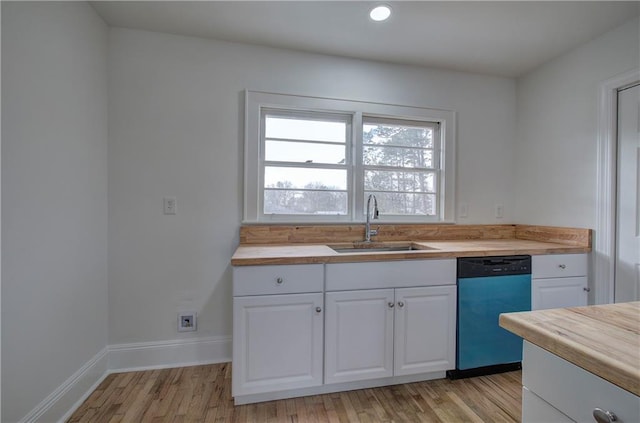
573	390
390	274
288	279
558	265
535	410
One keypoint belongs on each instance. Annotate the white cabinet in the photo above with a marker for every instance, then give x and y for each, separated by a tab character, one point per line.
277	339
376	333
537	410
277	342
554	387
559	281
558	292
367	324
359	335
425	330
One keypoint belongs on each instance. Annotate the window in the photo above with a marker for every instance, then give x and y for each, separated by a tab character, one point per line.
312	159
400	165
305	163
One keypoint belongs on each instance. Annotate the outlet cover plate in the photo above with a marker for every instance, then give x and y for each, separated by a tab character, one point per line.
187	321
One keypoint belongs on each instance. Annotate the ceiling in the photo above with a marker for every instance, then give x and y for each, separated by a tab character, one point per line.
497	38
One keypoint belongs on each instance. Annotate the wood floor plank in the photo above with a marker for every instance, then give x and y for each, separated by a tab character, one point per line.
203	394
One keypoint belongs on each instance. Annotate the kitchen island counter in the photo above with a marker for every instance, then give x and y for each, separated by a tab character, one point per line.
602	339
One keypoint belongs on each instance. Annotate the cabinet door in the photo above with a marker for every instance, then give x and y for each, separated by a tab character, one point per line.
359	335
277	342
558	293
425	330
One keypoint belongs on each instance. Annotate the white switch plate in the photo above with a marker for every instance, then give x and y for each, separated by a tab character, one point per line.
463	210
169	204
499	211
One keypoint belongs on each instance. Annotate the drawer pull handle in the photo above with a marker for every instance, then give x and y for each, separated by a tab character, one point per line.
279	281
586	289
391	304
562	266
400	304
318	309
604	416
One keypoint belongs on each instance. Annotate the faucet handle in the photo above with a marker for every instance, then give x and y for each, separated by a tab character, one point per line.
374	232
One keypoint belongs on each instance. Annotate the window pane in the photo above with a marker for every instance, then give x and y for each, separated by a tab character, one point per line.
398	157
305	178
383	180
398	135
405	204
301	129
305	202
304	152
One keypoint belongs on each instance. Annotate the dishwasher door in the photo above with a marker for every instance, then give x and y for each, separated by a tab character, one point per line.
481	341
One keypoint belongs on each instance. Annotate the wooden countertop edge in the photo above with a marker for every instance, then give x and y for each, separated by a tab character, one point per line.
334	257
620	374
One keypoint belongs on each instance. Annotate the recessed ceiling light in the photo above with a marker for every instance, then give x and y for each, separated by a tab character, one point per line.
380	13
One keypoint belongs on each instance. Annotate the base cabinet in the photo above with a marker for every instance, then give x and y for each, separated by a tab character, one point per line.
307	329
537	410
553	386
425	328
277	342
376	333
359	335
559	281
558	292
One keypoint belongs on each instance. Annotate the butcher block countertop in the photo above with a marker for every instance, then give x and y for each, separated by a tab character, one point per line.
602	339
247	255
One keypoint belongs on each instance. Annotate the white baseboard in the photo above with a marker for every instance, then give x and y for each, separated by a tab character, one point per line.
166	354
63	401
59	405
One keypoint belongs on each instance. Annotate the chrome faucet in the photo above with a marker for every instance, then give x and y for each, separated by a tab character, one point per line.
368	232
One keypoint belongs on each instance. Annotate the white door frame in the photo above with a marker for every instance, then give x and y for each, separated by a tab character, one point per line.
605	232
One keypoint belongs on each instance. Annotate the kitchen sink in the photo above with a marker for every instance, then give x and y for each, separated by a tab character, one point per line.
378	248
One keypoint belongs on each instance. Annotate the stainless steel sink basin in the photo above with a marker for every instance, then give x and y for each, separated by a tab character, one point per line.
378	248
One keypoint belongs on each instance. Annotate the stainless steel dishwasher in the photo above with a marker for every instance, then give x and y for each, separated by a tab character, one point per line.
488	286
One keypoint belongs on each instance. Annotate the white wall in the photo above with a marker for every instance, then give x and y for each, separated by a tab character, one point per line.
54	199
175	129
557	129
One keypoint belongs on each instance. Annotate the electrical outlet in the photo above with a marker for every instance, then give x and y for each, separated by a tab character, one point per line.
187	321
499	211
169	204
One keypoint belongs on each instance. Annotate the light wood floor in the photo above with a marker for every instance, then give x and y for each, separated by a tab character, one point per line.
203	394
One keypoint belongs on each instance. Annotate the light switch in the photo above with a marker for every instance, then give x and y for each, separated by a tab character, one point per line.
463	210
169	205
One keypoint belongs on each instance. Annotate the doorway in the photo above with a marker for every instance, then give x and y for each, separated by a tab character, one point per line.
627	256
605	239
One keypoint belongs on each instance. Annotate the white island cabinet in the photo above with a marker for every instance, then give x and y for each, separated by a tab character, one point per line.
278	322
555	390
559	280
389	319
580	364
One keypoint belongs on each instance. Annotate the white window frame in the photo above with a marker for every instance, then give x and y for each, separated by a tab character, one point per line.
256	101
